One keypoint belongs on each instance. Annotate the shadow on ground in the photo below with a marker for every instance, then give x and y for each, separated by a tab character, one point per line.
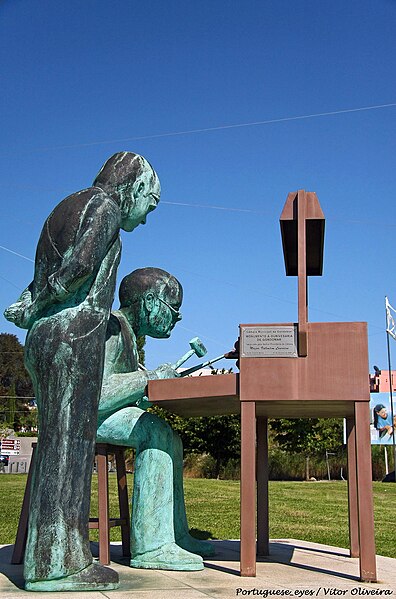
299	556
13	572
202	535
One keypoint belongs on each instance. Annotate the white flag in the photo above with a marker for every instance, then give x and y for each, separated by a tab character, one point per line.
390	323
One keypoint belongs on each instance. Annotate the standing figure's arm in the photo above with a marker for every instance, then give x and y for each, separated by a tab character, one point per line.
98	230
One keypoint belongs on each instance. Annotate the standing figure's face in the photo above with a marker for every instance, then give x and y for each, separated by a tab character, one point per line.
383	413
138	199
164	314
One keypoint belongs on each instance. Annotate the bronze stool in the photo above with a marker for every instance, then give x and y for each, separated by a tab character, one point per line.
103	523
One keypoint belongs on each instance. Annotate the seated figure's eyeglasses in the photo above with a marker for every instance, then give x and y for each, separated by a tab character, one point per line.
175	313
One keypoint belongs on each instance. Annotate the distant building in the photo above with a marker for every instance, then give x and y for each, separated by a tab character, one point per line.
379	381
16	454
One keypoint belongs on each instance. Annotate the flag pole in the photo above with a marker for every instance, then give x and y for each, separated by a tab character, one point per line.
387	310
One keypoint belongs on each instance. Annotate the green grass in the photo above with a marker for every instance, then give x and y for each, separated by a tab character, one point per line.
309	511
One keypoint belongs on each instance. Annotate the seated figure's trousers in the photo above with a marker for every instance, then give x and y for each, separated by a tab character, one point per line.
158	510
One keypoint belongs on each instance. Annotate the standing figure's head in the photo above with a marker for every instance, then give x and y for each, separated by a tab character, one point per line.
131	181
151	298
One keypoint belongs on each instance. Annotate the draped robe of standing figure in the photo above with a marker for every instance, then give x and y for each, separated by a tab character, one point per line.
77	254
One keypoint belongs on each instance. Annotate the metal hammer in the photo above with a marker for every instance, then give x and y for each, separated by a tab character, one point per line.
233	355
197	347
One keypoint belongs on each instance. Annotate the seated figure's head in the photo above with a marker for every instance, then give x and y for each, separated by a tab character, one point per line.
151	298
130	180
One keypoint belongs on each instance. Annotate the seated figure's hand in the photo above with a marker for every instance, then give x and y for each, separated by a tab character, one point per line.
166	371
143	403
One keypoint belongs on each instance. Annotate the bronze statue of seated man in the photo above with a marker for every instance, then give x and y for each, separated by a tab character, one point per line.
150	300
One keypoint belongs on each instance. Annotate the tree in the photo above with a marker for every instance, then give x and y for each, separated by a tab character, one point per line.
309	436
219	436
15	383
141	342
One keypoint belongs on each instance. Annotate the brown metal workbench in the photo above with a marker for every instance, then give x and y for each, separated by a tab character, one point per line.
320	371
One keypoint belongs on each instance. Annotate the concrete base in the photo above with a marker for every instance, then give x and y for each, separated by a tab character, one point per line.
303	569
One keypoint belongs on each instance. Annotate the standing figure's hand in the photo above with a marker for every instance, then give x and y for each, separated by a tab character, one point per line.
21	313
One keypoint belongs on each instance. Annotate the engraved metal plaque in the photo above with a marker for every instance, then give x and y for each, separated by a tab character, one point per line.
278	341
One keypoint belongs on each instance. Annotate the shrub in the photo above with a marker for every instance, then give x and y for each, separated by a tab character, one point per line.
199	465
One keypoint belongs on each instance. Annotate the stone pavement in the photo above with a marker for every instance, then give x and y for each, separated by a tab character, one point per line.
294	569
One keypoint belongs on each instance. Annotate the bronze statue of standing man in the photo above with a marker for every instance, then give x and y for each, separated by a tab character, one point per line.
66	309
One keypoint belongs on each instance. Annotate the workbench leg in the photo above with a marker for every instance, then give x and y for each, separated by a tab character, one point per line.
352	489
365	493
248	488
262	487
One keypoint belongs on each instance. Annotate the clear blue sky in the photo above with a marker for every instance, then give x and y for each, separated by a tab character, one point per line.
82	80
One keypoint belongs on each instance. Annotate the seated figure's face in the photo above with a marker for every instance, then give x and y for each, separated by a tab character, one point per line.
164	314
383	413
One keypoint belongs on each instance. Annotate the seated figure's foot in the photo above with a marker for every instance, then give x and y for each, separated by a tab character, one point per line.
168	557
189	543
93	578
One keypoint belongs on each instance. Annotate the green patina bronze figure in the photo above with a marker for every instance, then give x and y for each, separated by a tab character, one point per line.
150	300
66	310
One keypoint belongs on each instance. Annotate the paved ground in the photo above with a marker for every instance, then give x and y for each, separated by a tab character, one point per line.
294	569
